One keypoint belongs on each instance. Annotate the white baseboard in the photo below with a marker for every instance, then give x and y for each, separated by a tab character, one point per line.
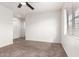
6	43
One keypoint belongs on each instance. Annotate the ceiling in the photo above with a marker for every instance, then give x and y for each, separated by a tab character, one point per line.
39	7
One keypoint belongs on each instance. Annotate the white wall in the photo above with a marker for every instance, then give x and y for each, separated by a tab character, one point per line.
43	26
71	45
6	29
69	42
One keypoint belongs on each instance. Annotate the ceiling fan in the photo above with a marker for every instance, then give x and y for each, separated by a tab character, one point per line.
25	3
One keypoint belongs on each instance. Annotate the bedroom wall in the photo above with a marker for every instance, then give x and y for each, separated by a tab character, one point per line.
43	26
6	28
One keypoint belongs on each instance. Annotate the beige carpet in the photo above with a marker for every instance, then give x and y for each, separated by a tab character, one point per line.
23	48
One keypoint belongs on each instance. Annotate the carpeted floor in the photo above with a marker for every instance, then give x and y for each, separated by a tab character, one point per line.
24	48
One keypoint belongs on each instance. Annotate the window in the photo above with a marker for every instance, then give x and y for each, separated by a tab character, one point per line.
73	22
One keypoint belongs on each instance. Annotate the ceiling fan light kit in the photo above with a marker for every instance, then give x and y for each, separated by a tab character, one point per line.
23	3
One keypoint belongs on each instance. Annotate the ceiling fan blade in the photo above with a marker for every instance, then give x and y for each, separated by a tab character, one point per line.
20	5
29	6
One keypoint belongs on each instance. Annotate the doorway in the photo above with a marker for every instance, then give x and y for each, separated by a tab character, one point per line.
18	29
